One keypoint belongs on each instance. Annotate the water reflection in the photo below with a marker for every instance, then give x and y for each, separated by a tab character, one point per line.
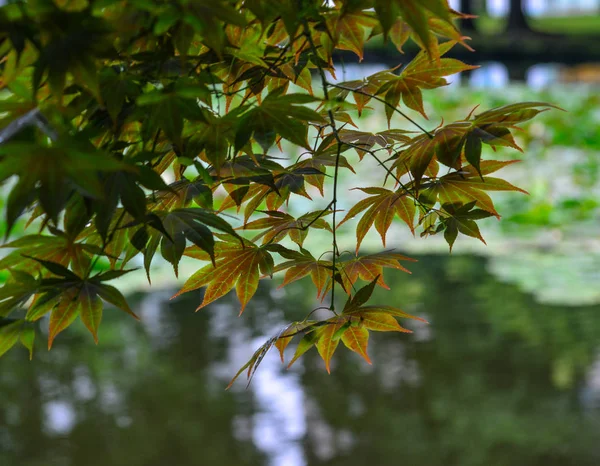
496	379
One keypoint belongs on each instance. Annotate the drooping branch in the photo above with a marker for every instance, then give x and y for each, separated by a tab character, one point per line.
332	124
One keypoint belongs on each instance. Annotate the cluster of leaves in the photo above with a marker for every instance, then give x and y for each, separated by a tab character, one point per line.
132	127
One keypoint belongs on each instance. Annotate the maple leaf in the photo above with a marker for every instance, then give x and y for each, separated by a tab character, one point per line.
364	141
417	15
351	327
236	265
10	330
51	174
450	145
278	225
512	113
318	163
59	248
362	91
381	207
262	179
304	264
420	73
285	183
350	29
401	31
328	340
180	194
277	114
460	218
66	295
370	268
469	185
286	335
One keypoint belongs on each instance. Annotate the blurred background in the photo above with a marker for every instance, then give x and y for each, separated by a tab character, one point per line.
506	373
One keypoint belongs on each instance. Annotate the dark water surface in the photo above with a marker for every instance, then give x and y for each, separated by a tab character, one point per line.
495	379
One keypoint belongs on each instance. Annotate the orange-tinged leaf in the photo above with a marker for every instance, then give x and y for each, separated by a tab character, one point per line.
351	33
326	344
393	311
357	339
380	322
467	186
278	225
406	209
512	113
451	193
490	166
369	267
63	314
423	72
487	183
235	266
286	336
247	283
399	34
380	210
320	271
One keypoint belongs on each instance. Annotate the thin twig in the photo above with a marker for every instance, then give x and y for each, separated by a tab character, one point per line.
325	84
387	104
33	117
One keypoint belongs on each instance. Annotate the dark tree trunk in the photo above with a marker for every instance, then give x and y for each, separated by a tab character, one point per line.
468	24
516	17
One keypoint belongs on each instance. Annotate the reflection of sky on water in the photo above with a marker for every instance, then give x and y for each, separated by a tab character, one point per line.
280	424
59	417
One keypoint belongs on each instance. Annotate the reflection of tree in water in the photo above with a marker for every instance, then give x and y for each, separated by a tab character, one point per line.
136	401
496	379
498	383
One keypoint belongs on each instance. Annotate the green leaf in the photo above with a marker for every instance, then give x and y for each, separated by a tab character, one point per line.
361	296
27	338
132	196
307	342
111	275
90	310
56	269
113	296
9	335
473	152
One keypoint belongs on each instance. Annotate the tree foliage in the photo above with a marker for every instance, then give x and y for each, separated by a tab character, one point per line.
132	127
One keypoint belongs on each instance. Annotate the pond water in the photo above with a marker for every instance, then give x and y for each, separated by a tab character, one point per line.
495	379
